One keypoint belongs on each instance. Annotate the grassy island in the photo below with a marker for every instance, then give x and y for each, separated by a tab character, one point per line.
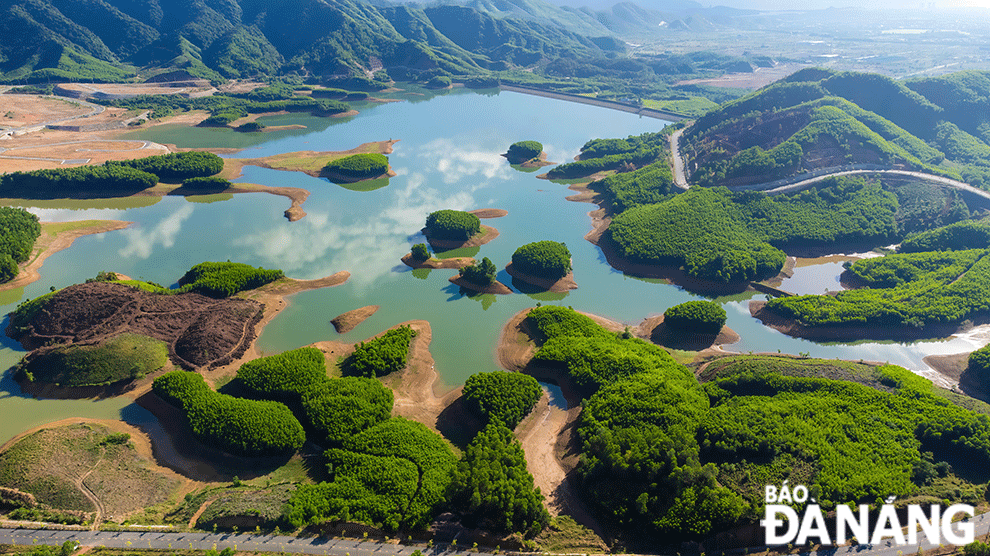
121	358
522	151
545	259
455	225
696	316
358	166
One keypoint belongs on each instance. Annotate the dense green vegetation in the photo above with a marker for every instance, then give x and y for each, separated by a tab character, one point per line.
20	230
225	109
694	459
546	259
285	376
968	234
696	316
650	184
492	487
340	408
593	356
979	364
176	167
383	355
480	273
727	237
521	151
123	357
110	180
501	397
394	474
235	425
599	155
365	165
910	289
455	225
211	183
218	279
420	252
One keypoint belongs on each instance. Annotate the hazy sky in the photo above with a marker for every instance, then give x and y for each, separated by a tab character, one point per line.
868	4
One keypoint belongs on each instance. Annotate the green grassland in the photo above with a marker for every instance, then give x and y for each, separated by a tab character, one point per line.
121	358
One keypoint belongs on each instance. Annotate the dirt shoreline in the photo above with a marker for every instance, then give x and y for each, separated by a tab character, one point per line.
455	263
562	285
49	244
488	234
496	287
346	322
538	161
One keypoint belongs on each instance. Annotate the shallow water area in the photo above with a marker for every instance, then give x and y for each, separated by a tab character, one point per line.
448	156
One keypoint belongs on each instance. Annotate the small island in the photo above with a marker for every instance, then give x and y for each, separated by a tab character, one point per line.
544	264
690	326
358	167
480	277
453	229
528	154
420	257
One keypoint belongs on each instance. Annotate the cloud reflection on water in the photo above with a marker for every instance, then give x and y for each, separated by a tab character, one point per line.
141	241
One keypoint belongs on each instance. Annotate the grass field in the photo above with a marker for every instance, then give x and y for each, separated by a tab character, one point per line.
53	464
123	357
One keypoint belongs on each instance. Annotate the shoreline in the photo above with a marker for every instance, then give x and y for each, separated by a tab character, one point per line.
48	244
455	263
496	287
476	240
563	284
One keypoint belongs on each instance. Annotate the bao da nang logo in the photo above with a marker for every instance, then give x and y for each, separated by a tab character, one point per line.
783	525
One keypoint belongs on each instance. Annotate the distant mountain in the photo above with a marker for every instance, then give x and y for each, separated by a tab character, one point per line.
110	39
818	118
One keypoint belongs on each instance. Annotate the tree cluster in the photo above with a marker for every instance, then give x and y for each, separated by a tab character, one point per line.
383	355
286	376
123	357
521	151
501	397
236	425
224	279
455	225
20	230
337	409
109	179
547	259
176	167
211	183
481	273
696	316
968	234
420	252
364	165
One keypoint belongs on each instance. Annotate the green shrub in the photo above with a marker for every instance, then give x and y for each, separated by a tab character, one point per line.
251	127
481	273
108	179
338	409
123	357
502	397
176	167
359	165
968	234
979	364
493	488
381	356
235	425
420	252
522	151
217	279
20	230
696	316
211	183
452	225
438	82
286	376
329	93
546	259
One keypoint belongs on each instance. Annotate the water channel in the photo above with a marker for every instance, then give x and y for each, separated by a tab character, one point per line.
448	156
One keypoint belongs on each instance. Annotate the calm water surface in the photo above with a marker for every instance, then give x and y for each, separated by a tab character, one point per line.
448	156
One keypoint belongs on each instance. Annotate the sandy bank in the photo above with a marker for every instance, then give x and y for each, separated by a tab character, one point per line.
489	213
54	238
456	263
562	285
538	161
348	321
308	162
495	287
851	333
487	234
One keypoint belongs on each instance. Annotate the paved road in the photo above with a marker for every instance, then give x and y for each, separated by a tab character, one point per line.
205	541
680	178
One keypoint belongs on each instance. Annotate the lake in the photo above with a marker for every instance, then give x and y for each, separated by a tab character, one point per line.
448	156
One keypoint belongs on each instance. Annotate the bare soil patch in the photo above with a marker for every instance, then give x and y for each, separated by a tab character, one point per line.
28	110
308	162
487	234
199	331
758	78
654	330
348	321
489	213
561	285
54	238
495	287
456	263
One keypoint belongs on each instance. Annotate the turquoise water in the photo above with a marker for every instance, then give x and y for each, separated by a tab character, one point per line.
448	156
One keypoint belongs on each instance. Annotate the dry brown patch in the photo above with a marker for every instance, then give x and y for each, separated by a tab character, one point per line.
495	287
487	234
489	213
28	110
308	162
758	78
456	263
348	321
564	284
952	366
52	241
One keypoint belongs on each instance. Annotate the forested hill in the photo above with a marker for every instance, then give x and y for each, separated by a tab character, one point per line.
106	39
818	118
